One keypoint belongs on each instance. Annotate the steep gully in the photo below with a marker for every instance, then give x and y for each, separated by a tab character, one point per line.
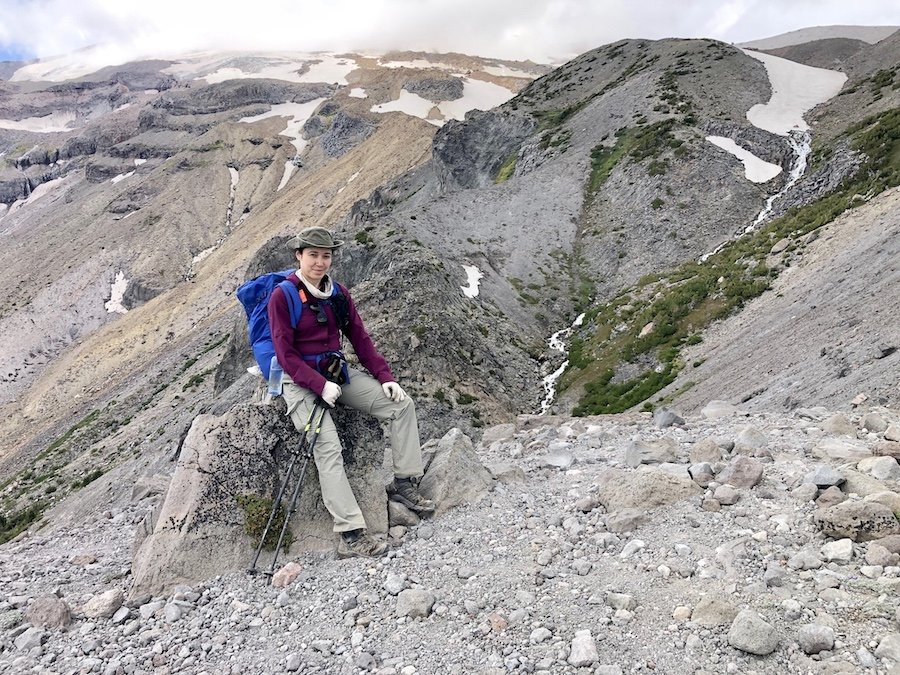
796	89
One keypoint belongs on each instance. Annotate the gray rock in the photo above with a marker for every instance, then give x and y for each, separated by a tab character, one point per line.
876	554
395	583
199	531
841	450
701	473
892	433
838	551
507	473
726	495
805	560
882	468
663	418
862	484
750	633
583	650
775	574
10	619
741	472
824	476
626	520
468	155
651	452
398	514
539	635
31	638
172	612
292	663
716	410
415	602
104	605
453	473
839	425
706	451
436	89
558	459
815	638
713	610
620	601
830	497
49	611
859	521
805	492
874	422
751	437
644	489
498	432
889	647
345	133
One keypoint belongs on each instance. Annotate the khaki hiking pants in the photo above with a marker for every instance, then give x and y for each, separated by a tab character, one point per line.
363	392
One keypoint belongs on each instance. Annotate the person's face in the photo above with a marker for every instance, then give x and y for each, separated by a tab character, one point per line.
314	263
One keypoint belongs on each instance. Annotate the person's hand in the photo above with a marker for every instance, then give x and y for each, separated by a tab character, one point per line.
331	393
393	391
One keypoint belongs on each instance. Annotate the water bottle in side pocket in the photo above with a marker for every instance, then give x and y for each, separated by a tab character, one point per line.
275	374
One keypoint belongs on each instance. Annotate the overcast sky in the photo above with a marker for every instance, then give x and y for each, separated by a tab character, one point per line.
541	30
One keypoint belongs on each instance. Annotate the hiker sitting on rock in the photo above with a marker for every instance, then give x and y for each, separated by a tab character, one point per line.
310	352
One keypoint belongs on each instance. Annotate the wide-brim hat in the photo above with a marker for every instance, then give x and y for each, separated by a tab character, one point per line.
314	237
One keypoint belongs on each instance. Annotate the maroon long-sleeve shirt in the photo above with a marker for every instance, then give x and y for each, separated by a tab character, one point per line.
311	338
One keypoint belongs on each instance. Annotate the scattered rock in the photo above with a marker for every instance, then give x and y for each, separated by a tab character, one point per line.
49	611
414	603
716	410
815	638
583	651
104	605
859	521
750	633
285	576
741	472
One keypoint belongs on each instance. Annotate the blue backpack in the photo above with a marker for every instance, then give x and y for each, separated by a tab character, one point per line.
254	298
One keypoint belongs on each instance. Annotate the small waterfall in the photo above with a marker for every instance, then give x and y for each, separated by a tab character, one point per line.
557	342
801	143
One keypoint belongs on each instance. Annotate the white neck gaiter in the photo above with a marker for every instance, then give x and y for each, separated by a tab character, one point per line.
315	292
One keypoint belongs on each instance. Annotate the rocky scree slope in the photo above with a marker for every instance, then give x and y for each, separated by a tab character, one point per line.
632	346
583	183
723	542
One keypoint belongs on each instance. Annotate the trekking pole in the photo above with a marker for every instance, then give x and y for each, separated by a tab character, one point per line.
252	569
307	448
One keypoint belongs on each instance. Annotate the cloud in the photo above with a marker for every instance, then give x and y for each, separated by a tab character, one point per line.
541	30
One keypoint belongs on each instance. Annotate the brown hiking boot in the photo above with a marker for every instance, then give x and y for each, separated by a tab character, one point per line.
360	544
406	492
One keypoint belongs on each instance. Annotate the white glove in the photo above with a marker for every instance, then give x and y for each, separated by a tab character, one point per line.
331	393
393	391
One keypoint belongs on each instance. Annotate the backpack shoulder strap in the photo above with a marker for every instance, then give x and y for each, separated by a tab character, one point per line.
341	305
295	304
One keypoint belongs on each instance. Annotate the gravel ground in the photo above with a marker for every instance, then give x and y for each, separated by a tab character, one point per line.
561	568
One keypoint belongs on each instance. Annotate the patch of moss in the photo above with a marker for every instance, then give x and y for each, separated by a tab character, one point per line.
506	169
257	510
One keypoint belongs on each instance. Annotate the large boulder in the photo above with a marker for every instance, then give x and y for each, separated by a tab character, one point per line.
200	532
859	521
643	489
453	473
200	529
